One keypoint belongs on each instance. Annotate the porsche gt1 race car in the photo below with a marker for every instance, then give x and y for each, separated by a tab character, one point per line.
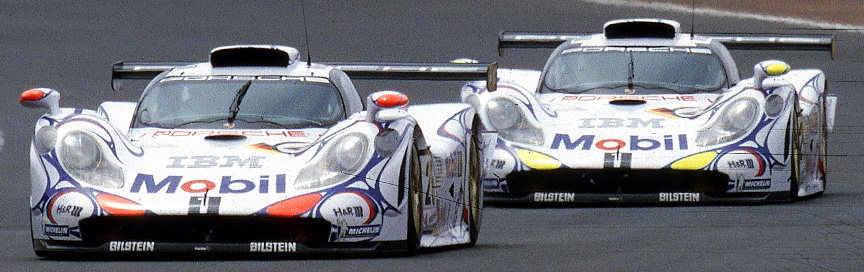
256	152
643	113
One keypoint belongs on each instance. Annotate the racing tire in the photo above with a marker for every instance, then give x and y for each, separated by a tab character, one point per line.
415	204
475	190
795	154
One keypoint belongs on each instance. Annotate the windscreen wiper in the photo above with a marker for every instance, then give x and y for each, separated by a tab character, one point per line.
235	105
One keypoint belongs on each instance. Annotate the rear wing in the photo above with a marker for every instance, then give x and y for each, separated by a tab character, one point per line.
508	39
421	71
355	70
140	71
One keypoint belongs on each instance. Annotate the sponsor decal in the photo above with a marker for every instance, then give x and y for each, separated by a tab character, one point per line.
679	197
146	183
251	133
69	209
496	164
276	247
131	246
214	162
363	231
741	164
635	143
355	211
204	205
56	230
753	184
620	123
554	197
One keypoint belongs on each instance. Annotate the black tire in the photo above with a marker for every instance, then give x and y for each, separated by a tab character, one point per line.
415	205
795	154
475	190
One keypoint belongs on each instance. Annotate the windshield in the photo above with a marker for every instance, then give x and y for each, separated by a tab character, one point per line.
629	70
252	103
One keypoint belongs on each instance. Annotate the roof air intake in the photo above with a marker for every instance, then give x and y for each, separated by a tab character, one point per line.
252	55
641	28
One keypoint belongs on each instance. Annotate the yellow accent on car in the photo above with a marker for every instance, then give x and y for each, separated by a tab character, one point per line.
776	69
537	160
694	162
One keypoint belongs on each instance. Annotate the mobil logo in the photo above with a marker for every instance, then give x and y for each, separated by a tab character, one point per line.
633	142
146	183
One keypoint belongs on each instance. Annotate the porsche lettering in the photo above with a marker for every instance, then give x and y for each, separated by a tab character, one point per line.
251	133
635	143
145	183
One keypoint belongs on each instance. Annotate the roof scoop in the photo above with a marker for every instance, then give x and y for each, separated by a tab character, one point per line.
627	102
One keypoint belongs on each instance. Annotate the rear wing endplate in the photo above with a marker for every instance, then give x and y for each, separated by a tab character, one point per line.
509	39
421	71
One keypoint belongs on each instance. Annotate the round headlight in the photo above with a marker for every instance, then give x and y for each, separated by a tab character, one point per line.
80	151
741	114
349	152
502	113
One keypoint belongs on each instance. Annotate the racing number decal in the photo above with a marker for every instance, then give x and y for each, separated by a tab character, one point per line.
621	159
197	205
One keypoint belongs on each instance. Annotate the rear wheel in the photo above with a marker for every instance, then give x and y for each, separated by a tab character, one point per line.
415	206
475	192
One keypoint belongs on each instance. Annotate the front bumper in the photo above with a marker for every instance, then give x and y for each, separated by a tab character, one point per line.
209	234
624	186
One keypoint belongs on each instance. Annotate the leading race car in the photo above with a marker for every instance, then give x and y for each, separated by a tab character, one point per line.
256	152
644	113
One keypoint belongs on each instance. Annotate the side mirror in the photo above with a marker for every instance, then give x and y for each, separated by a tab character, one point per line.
768	68
379	100
41	98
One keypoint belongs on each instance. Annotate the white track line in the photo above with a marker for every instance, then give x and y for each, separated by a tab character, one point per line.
723	13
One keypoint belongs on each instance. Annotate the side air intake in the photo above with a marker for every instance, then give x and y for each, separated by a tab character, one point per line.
641	28
253	55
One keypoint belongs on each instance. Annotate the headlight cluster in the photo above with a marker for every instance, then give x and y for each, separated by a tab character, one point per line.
340	160
733	122
84	159
508	119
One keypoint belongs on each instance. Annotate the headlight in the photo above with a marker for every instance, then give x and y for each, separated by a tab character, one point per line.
80	151
503	113
340	160
733	122
508	119
83	158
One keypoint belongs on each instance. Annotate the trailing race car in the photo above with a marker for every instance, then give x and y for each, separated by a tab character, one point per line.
256	152
644	113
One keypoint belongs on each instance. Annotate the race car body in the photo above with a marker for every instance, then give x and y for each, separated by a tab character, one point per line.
643	113
252	152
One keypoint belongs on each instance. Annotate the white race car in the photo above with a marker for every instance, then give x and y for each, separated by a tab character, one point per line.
255	152
644	113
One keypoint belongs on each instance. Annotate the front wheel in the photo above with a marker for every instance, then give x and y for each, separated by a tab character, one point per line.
475	191
415	206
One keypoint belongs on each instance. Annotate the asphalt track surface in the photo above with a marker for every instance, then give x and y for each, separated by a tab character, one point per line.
69	46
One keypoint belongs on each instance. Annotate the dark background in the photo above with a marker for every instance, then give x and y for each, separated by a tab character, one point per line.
70	45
